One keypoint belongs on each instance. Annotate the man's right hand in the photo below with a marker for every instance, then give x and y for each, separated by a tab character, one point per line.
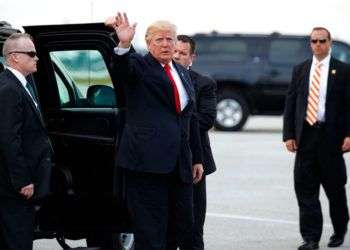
124	31
27	191
291	145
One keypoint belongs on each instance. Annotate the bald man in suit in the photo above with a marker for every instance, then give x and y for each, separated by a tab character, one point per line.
25	151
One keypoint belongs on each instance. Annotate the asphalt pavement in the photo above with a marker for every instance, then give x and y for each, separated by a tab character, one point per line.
251	200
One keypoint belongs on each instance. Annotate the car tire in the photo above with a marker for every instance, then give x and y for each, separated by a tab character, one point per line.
232	111
107	241
126	241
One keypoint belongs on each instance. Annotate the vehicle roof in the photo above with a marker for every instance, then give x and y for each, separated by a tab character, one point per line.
247	35
66	27
6	30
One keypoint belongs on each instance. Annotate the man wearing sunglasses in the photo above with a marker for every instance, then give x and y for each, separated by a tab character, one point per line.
205	88
317	128
25	151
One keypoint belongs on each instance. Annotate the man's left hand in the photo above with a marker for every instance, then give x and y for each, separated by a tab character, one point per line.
27	191
346	144
197	172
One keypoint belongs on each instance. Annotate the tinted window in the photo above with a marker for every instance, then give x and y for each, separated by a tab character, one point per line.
223	48
341	52
62	91
1	63
287	51
82	79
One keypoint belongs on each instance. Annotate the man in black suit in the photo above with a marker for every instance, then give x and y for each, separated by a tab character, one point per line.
205	89
160	146
25	152
317	127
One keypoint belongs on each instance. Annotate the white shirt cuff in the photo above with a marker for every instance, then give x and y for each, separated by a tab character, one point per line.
121	51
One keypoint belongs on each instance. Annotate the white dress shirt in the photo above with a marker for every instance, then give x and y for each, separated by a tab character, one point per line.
179	85
323	85
23	81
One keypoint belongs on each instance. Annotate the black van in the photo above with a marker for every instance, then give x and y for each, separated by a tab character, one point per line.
83	109
253	71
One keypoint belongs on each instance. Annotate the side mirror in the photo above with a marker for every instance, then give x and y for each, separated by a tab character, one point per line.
101	96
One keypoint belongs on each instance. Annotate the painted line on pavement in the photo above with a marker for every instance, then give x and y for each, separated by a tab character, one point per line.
250	218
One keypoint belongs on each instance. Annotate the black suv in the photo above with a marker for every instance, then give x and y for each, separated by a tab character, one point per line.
83	109
253	71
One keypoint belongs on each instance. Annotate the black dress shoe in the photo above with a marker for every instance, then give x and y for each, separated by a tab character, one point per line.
309	245
336	240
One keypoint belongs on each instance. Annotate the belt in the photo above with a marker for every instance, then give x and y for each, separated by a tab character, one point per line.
317	125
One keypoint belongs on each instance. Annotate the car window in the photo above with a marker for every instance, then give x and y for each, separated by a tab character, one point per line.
223	48
341	52
82	79
284	51
2	63
63	91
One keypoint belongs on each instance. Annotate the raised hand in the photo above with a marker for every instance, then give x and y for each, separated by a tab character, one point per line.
125	31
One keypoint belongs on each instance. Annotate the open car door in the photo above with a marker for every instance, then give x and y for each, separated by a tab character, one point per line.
82	106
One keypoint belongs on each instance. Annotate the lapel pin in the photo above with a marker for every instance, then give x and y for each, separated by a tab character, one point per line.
334	71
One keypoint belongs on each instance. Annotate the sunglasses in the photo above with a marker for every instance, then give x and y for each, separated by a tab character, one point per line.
322	41
32	54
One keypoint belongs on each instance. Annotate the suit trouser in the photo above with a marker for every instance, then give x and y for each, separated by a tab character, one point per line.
199	211
160	206
16	224
316	164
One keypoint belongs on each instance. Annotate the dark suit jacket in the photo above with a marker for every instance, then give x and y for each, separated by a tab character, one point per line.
25	152
155	138
205	89
337	115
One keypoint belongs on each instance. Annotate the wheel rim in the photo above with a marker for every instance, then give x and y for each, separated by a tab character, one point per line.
229	113
126	241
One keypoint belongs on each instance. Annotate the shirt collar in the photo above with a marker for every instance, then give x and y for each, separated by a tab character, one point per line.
19	75
171	65
324	62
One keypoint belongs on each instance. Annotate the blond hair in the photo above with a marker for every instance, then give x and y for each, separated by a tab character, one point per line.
160	25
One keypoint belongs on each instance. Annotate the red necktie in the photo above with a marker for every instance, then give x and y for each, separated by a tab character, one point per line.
175	91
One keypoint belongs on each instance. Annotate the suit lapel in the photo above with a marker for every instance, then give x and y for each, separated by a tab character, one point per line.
164	85
27	97
305	80
186	83
194	82
331	77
